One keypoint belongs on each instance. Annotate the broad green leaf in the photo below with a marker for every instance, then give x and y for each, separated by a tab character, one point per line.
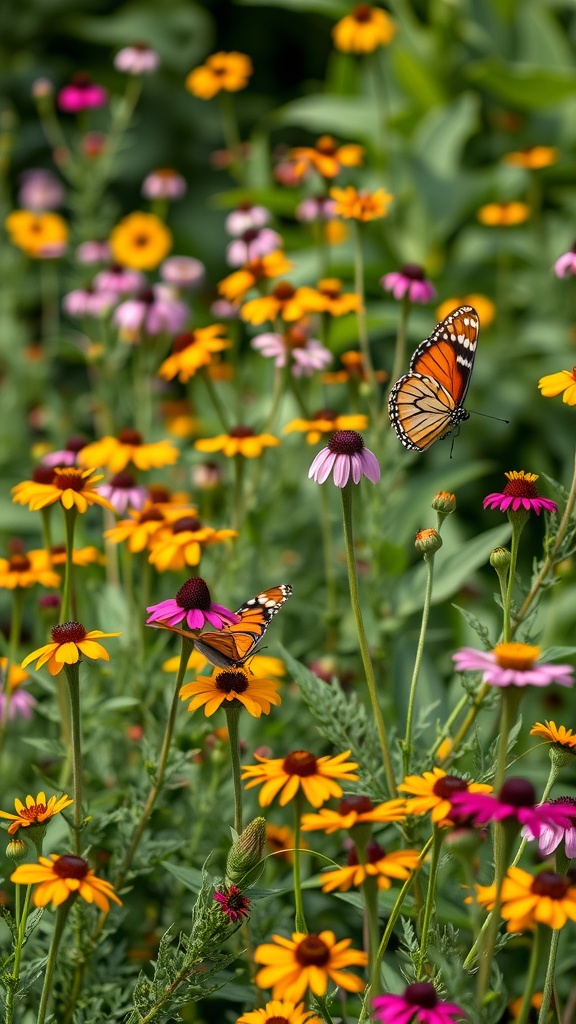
416	80
442	134
343	116
191	878
523	85
541	39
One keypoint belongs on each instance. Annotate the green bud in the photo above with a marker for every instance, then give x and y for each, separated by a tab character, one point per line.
428	542
17	849
464	842
561	757
444	503
500	559
246	852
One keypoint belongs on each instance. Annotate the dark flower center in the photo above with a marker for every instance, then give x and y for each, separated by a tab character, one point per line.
186	523
75	443
374	852
300	762
33	813
327	145
58	549
564	800
151	515
49	601
361	13
18	563
123	481
241	431
448	785
518	792
325	414
296	337
312	952
69	479
359	804
520	489
194	594
68	633
283	291
276	1020
346	442
145	295
43	475
422	993
413	271
549	884
183	341
70	866
157	492
250	235
231	681
129	436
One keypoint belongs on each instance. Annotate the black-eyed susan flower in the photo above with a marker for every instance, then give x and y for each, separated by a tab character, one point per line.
363	30
532	158
316	776
512	664
381	866
228	72
528	900
35	811
140	241
144	524
70	641
25	568
240	440
561	383
327	158
353	811
115	453
360	205
231	684
433	791
418	1004
353	371
279	1011
192	350
264	268
37	233
557	734
481	303
347	458
326	421
71	486
58	877
180	542
88	555
330	298
503	215
284	301
308	961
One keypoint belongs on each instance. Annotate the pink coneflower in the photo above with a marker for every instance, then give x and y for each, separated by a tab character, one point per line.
138	59
516	800
551	835
252	243
93	252
315	208
566	263
246	218
233	903
151	311
81	94
40	190
411	281
193	604
22	705
52	251
67	456
518	493
307	354
164	183
222	309
123	492
418	1002
513	664
87	302
182	271
119	280
346	455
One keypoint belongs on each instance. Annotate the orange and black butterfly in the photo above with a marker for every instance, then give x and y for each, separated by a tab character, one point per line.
232	645
427	402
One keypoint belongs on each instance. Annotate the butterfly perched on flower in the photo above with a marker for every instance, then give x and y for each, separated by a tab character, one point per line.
427	402
232	645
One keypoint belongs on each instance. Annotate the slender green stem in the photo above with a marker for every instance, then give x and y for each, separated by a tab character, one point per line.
61	915
511	697
239	503
430	904
12	655
548	990
407	744
370	894
233	710
216	402
50	303
518	520
300	920
489	933
361	322
330	614
21	919
70	520
530	982
73	677
362	641
230	132
321	1004
45	517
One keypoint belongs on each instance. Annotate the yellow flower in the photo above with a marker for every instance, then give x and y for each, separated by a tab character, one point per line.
334	301
533	158
557	734
363	30
58	877
117	453
282	841
80	556
286	775
528	900
69	641
140	241
484	307
144	524
353	811
561	383
325	421
36	811
379	865
261	665
503	214
222	71
192	350
235	286
362	205
432	792
515	1005
354	370
326	157
257	695
16	675
240	441
24	569
284	301
180	542
37	233
72	487
280	1012
293	965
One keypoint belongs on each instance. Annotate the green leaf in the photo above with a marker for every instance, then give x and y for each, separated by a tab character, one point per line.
332	8
524	86
415	79
344	116
191	878
443	133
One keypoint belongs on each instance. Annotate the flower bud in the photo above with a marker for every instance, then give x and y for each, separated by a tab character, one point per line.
42	87
246	852
17	849
500	559
464	842
428	542
444	503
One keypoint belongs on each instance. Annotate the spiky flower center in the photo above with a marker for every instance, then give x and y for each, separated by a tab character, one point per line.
194	594
312	952
43	475
68	633
518	792
231	681
300	762
69	478
521	484
241	431
123	481
422	993
70	866
18	563
346	442
186	523
448	785
33	813
547	883
521	657
284	291
131	437
413	271
358	804
183	341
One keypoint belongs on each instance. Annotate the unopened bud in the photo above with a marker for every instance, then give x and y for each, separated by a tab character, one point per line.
500	559
17	849
42	87
246	852
427	542
444	503
463	842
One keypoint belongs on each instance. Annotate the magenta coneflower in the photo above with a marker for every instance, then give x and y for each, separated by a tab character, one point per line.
411	281
246	217
513	664
306	354
182	271
138	59
418	1002
67	456
192	603
93	252
315	208
123	492
566	263
519	492
516	800
233	903
251	244
40	190
551	835
346	455
164	183
81	94
87	302
119	280
151	311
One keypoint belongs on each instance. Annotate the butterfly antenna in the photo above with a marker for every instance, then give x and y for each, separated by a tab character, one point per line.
487	416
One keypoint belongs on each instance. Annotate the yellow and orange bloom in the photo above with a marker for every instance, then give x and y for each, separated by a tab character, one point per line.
193	350
353	370
228	72
353	811
181	541
140	241
16	675
557	734
316	776
58	877
35	811
278	1011
280	839
37	234
261	665
432	792
284	301
334	301
383	867
115	453
506	215
80	556
360	205
240	441
73	487
69	642
263	268
25	568
144	524
234	684
561	383
482	304
326	421
363	30
308	961
528	900
533	158
327	158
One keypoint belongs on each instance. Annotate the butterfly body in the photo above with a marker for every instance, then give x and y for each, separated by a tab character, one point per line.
231	646
427	402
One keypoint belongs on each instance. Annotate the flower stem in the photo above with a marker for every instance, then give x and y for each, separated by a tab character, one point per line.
73	677
70	520
361	321
489	931
330	614
363	644
300	920
548	990
61	915
430	900
407	744
215	399
13	642
518	520
232	718
530	982
231	134
12	984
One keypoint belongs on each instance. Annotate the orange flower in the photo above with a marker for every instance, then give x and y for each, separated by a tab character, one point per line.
117	453
432	792
353	811
255	694
285	301
36	811
325	422
363	30
300	769
69	641
363	205
71	486
24	569
180	543
59	877
293	965
481	303
222	71
335	302
354	370
37	233
379	865
235	286
533	158
327	158
140	241
193	350
503	214
239	441
144	524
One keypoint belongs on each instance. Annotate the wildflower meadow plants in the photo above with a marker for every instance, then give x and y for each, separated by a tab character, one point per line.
213	278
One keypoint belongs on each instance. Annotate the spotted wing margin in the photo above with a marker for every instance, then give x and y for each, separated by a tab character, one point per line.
421	411
233	644
448	354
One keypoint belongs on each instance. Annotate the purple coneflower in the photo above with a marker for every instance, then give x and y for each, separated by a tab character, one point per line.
519	492
346	455
315	208
67	456
193	604
245	218
418	1002
411	281
87	302
252	243
93	252
138	59
551	835
40	190
164	183
22	704
307	354
119	280
516	800
123	492
152	310
182	271
81	94
232	902
566	263
513	664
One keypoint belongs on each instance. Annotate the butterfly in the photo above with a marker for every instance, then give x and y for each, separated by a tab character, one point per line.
232	645
427	402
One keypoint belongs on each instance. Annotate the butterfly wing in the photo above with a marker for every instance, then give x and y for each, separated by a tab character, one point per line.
448	354
234	644
421	411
